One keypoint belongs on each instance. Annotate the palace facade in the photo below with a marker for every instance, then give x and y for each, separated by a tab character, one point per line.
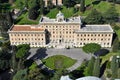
60	32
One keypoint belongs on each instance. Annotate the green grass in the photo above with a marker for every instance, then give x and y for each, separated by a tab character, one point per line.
23	19
103	6
68	12
67	62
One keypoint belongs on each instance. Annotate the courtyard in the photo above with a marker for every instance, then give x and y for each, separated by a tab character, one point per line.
74	53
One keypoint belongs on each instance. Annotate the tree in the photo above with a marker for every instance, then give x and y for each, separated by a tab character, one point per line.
82	5
22	54
5	23
94	17
33	13
114	67
96	69
21	75
35	74
34	9
89	68
57	74
111	15
116	45
91	48
5	58
42	7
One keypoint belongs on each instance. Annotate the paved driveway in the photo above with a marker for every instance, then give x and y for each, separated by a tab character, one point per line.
75	53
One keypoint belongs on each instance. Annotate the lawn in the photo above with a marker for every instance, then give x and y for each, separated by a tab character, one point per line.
66	61
101	7
68	12
23	19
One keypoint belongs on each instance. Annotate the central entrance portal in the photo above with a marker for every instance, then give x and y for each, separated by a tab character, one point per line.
60	41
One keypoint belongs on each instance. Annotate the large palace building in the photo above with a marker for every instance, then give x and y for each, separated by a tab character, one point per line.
60	32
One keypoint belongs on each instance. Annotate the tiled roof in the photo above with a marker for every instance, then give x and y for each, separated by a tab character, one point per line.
26	28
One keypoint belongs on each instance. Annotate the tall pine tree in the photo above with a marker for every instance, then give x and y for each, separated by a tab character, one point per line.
96	70
82	5
89	69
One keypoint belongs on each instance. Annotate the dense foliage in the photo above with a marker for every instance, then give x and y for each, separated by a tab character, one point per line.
91	48
114	67
89	69
94	17
96	69
5	56
82	5
116	45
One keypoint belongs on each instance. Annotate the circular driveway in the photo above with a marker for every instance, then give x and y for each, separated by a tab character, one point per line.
75	53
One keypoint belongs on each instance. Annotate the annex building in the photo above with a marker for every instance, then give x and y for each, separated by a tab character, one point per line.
60	32
54	2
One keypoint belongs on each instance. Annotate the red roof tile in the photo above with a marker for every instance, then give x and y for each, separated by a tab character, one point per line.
26	28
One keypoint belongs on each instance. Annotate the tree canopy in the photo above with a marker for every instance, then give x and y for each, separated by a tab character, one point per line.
91	47
96	69
82	5
22	50
94	17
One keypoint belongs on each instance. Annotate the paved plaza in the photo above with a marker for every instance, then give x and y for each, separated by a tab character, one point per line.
76	53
